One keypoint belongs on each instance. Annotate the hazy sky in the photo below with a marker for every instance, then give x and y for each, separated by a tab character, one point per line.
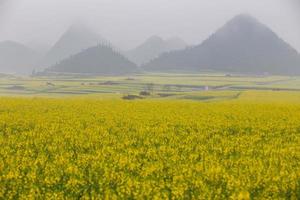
129	22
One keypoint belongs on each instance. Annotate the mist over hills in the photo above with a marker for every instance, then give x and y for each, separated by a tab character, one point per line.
243	45
100	59
41	49
17	58
153	47
77	38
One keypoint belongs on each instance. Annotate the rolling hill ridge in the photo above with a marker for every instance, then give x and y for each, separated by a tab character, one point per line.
17	58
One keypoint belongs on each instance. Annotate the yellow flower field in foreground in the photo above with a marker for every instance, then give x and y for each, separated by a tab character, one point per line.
88	148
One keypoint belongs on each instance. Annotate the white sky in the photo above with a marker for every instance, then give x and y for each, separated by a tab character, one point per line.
129	22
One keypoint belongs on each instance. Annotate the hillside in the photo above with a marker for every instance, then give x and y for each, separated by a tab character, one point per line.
153	47
96	60
16	58
243	45
77	38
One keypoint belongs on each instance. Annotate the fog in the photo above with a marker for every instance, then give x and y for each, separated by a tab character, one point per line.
126	23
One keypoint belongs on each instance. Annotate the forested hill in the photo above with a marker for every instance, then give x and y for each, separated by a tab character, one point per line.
100	59
243	45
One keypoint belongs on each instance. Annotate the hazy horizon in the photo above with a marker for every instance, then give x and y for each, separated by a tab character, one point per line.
128	23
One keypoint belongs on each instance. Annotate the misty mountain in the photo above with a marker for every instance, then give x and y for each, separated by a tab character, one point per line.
101	59
41	49
77	38
17	58
243	45
153	47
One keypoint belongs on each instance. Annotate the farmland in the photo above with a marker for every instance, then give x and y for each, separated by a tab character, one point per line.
68	138
158	83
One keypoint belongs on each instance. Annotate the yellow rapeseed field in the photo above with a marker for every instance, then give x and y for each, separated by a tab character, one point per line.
84	148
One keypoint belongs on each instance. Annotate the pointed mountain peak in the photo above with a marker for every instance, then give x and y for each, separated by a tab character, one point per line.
243	27
99	59
243	45
77	38
244	17
244	22
153	43
81	30
153	47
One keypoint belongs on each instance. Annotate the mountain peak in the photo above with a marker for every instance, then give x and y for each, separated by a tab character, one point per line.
77	38
153	47
154	40
243	28
245	23
80	31
243	45
99	59
244	17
